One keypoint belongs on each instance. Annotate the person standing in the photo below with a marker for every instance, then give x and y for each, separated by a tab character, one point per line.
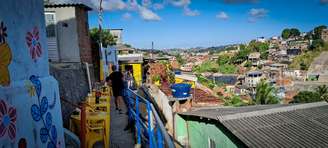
115	80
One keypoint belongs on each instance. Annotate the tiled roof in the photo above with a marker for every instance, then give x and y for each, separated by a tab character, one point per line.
295	125
63	3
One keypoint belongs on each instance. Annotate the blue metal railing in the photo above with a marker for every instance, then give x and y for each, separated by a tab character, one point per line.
149	127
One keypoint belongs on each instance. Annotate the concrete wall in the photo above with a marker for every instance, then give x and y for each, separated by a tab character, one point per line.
163	103
29	97
67	35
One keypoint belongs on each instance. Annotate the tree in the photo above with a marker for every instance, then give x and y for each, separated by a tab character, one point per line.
322	92
180	59
317	44
294	32
106	37
285	33
306	97
233	101
288	33
223	59
317	31
265	93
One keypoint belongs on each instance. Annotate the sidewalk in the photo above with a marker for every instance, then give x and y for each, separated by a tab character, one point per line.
118	137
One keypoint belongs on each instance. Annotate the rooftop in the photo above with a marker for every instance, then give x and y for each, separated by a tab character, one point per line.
62	3
292	125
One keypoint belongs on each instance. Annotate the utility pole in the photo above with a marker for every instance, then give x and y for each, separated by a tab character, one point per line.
100	20
152	50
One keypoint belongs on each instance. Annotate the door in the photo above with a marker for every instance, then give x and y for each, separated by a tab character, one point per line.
52	36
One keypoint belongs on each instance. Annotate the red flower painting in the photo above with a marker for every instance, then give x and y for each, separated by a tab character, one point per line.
32	41
7	120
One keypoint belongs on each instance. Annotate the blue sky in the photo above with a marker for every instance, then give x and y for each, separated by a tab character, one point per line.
204	23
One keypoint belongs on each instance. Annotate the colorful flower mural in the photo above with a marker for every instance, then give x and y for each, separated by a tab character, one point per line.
39	112
5	57
7	120
33	43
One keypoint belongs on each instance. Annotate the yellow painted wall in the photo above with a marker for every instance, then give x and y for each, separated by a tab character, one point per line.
137	72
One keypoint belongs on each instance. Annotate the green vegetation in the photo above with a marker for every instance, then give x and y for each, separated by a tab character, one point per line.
317	32
288	33
320	94
106	37
234	101
227	69
180	60
206	82
304	60
207	66
212	66
306	97
242	55
265	93
260	47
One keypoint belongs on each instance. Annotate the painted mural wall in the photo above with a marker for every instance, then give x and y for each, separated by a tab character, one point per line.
30	113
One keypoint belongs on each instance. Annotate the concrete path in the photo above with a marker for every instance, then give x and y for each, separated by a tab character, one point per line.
118	137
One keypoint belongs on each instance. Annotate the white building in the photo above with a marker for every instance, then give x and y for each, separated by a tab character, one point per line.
117	34
253	78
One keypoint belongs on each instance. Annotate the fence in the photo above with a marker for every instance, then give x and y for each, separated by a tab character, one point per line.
149	127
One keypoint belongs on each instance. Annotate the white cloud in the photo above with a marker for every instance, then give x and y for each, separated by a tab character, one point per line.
188	12
126	16
255	14
146	3
222	15
132	5
258	13
109	5
158	6
179	3
148	15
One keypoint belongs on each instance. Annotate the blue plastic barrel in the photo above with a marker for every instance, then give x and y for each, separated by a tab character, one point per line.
177	72
181	90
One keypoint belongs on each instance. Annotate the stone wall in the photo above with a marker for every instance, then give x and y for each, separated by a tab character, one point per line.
73	85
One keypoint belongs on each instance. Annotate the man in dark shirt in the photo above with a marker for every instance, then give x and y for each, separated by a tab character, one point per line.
115	79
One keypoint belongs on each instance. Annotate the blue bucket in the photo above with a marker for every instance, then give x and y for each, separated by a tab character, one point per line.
181	90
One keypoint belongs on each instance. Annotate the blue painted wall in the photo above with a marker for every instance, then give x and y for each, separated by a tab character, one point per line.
30	112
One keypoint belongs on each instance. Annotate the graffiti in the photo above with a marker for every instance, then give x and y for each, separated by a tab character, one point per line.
30	88
32	41
7	120
5	57
39	112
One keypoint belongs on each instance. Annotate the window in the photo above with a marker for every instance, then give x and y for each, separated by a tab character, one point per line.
211	143
50	24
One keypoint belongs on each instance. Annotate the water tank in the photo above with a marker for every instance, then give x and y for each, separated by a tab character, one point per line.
177	72
181	90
